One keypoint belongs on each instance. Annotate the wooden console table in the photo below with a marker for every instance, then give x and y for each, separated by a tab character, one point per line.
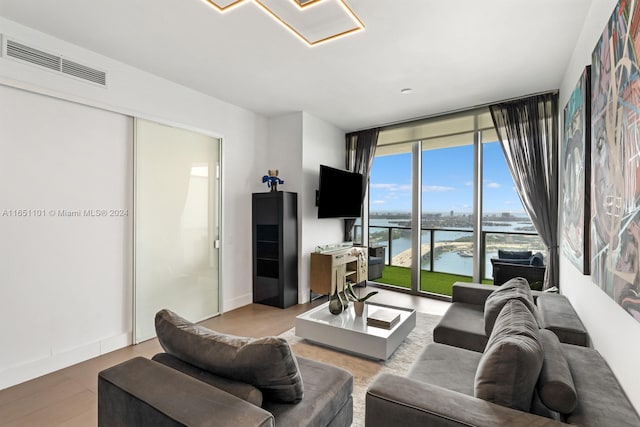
336	268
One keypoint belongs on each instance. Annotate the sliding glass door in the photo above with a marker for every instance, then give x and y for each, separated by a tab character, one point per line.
177	205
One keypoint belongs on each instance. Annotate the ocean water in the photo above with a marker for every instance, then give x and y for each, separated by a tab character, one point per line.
454	262
447	262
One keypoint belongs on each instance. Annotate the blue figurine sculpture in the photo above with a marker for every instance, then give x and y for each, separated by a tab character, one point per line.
272	179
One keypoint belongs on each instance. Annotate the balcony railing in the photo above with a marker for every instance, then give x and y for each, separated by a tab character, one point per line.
449	250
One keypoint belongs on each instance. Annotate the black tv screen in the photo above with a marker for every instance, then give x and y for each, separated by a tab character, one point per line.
340	193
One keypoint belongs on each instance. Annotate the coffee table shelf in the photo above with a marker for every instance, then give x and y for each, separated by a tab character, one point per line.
350	333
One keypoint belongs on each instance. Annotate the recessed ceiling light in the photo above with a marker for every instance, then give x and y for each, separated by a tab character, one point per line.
406	91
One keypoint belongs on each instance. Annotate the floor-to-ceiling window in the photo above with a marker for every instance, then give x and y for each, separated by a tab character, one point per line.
390	203
505	224
448	211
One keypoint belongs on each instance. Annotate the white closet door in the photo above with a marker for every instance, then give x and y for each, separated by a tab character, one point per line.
176	225
66	197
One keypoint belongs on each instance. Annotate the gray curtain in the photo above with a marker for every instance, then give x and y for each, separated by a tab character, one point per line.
361	148
528	131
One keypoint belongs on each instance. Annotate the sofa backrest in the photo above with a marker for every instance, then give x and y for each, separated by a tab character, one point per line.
516	288
511	363
502	254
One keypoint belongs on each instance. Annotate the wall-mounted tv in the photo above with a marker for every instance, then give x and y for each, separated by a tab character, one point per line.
340	193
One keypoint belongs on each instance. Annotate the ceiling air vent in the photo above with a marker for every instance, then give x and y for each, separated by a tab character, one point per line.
22	52
83	72
34	56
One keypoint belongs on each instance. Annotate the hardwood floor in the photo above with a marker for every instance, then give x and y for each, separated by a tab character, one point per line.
68	397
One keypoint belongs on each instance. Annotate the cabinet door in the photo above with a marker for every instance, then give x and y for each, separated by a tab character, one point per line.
322	274
338	278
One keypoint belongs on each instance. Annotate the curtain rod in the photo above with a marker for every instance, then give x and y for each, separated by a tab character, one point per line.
460	110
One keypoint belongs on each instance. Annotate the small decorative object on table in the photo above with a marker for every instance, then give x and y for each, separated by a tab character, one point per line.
358	302
345	298
382	318
336	305
272	179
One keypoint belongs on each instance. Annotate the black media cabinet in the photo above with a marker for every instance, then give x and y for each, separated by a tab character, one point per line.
275	248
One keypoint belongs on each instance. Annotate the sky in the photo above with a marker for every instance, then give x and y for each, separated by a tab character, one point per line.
447	181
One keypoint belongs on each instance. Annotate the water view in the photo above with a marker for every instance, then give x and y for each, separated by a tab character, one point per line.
447	199
452	237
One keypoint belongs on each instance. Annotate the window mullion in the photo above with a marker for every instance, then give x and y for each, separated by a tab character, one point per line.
478	250
416	215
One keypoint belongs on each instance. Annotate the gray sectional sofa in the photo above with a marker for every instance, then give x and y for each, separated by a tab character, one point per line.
210	379
463	324
522	375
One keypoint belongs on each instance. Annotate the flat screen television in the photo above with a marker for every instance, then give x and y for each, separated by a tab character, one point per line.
340	193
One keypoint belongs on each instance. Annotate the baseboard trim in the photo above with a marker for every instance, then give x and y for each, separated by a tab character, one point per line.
18	374
237	302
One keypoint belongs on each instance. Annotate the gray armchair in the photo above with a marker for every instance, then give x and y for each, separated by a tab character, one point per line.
510	264
376	262
205	378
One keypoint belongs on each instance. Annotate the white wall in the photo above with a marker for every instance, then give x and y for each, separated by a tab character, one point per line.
285	155
614	333
65	292
323	144
298	144
284	152
135	93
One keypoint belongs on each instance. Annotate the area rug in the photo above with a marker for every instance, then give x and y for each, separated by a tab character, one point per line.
366	370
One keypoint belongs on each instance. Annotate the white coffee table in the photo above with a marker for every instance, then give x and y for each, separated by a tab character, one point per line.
350	333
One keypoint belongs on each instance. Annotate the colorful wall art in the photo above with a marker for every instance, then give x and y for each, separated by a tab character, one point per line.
615	154
576	173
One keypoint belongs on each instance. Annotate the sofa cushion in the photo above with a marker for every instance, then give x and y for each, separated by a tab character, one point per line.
446	366
558	315
601	400
327	398
462	326
555	384
516	288
239	389
514	254
511	363
267	363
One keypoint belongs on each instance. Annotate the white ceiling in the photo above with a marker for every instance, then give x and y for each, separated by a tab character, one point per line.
453	54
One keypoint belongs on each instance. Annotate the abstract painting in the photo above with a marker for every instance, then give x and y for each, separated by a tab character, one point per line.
576	173
615	159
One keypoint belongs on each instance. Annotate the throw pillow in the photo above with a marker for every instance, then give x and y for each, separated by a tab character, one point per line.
537	259
239	389
267	363
516	288
511	363
514	254
555	385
